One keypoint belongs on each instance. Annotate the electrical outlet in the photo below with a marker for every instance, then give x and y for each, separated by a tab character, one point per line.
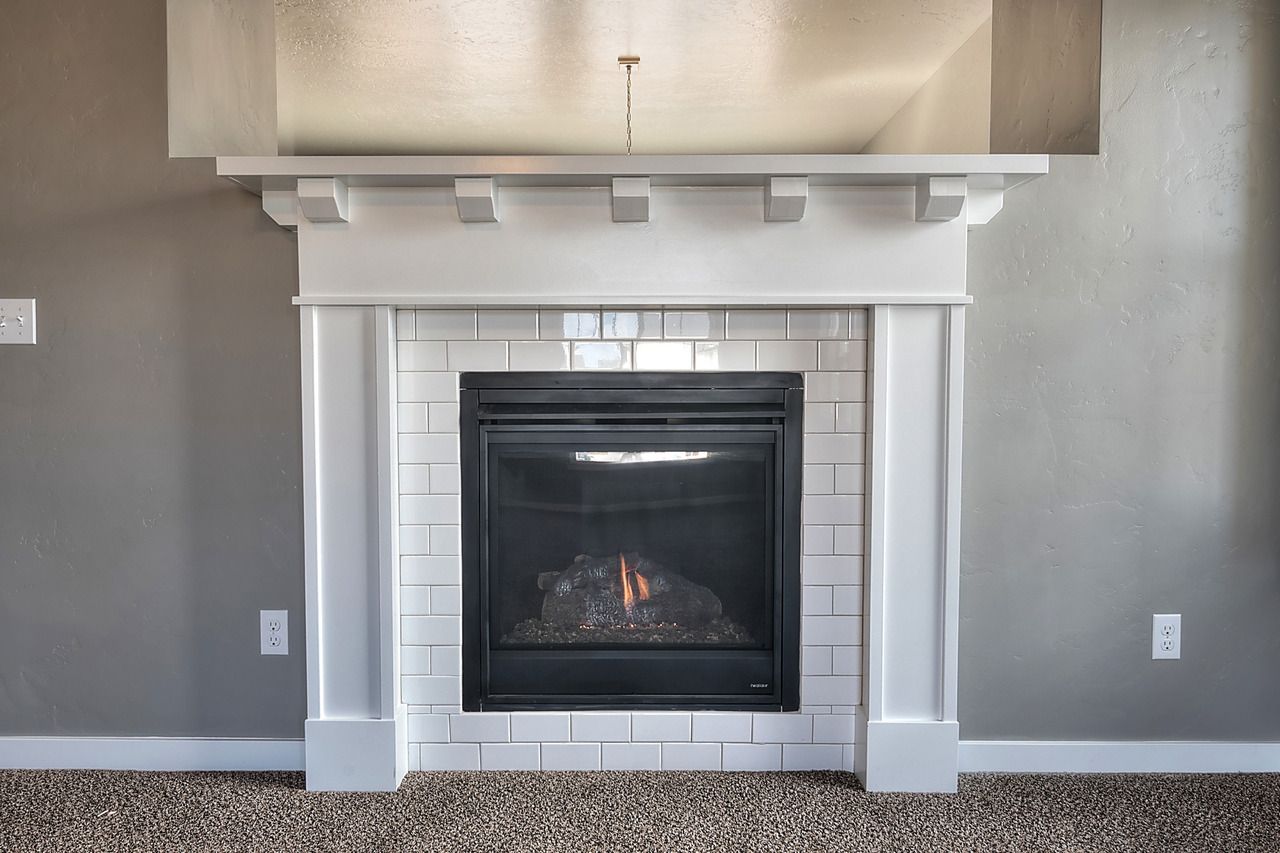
274	626
1166	636
17	321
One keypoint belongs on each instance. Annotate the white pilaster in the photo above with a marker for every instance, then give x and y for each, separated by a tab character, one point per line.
909	736
356	728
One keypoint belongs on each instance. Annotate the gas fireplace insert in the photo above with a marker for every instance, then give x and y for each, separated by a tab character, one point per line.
631	540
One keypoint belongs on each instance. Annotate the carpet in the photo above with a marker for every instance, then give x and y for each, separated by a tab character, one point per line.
458	812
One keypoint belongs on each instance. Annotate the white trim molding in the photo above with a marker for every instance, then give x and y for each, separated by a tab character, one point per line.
149	753
1101	756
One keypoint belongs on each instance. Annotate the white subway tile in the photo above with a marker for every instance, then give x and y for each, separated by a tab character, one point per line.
830	689
848	539
724	355
809	325
846	600
447	710
415	539
756	325
601	726
446	540
815	710
630	756
450	756
817	539
851	417
428	728
815	600
696	325
571	756
594	355
426	689
430	631
510	756
446	660
477	355
415	601
664	355
427	387
691	756
752	756
833	387
859	324
819	417
834	569
539	726
782	728
657	726
842	355
815	756
442	417
833	728
831	631
850	480
787	355
446	600
431	571
539	355
418	356
411	417
833	448
417	449
430	509
486	727
404	325
833	509
436	325
726	727
416	660
846	660
631	325
819	479
815	660
445	479
568	325
506	325
415	480
850	762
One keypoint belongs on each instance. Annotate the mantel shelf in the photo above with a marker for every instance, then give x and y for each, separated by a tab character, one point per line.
994	171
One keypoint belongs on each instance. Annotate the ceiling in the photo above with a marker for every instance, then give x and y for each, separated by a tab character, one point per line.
541	76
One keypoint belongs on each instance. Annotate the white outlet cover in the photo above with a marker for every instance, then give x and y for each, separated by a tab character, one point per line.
273	626
1166	636
17	321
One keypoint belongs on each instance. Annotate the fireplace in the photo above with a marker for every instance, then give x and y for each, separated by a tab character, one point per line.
631	540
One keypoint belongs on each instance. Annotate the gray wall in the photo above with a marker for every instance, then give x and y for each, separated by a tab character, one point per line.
1122	452
149	444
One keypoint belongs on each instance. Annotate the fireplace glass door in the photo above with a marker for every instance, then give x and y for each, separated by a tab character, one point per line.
629	554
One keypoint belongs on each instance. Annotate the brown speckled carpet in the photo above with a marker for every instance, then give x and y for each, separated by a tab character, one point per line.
104	811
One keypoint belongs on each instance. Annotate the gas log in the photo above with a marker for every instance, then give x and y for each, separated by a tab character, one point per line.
624	589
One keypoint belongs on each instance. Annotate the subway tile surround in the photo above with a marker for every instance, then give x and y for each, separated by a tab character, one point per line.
829	346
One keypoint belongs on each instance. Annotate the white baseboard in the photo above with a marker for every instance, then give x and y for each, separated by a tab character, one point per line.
1088	756
149	753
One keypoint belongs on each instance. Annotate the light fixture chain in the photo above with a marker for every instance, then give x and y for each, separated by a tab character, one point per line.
628	110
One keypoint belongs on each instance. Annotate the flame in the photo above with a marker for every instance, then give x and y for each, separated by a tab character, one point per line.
641	590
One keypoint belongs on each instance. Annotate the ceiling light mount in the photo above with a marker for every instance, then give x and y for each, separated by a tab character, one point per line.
628	61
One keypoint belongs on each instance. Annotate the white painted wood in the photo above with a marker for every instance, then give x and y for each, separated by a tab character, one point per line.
629	300
323	199
356	754
785	198
953	426
1023	756
477	199
939	199
149	753
282	207
598	170
910	755
630	199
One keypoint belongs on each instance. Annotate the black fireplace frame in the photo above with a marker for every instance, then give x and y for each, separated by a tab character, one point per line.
677	404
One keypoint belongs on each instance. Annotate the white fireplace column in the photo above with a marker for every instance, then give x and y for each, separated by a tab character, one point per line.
888	233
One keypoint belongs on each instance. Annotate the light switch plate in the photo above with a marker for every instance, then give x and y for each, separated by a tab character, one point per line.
17	321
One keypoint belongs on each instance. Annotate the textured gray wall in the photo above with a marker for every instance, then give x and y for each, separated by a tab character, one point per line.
149	445
1122	452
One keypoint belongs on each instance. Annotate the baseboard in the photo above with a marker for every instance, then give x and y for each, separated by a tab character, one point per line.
1086	756
149	753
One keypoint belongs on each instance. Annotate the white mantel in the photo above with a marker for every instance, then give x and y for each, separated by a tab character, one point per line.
886	232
